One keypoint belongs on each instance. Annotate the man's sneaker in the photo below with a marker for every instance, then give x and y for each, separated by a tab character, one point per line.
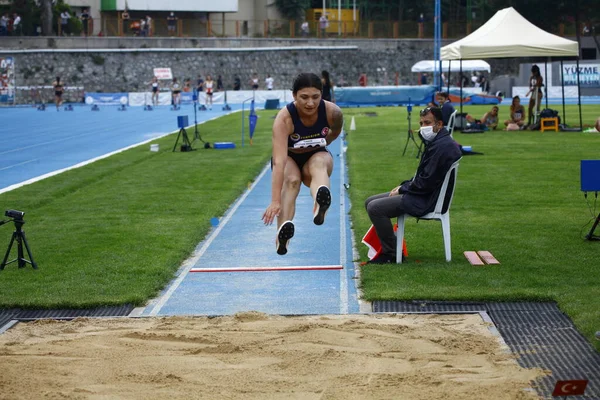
284	234
322	203
382	259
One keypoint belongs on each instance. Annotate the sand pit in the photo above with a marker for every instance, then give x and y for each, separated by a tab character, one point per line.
255	356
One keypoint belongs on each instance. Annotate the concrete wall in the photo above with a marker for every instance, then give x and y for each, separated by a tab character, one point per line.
124	64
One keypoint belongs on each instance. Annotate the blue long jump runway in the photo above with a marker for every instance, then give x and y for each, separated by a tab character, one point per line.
36	143
239	270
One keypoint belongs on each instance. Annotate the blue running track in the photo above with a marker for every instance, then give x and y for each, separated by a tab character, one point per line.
35	143
317	276
243	245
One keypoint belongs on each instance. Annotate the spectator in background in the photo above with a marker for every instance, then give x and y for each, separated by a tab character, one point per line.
237	83
327	87
362	79
125	18
172	24
85	20
517	114
323	25
4	25
200	84
475	79
187	85
64	22
304	28
220	83
269	82
142	27
254	81
148	26
209	85
445	105
16	29
423	80
484	84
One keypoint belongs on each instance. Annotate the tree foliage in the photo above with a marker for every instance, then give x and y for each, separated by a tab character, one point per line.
546	14
292	9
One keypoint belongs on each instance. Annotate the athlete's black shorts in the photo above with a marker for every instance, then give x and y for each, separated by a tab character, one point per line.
154	89
57	93
302	158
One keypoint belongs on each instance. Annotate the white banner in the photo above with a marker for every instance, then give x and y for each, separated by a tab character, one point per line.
163	73
554	92
589	75
233	97
180	5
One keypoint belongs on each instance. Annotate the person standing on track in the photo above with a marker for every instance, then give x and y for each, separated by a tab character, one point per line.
175	93
209	86
155	88
59	88
301	132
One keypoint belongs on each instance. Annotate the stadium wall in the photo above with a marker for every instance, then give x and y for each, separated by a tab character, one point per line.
125	69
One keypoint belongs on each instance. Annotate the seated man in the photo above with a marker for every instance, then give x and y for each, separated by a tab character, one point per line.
416	196
445	105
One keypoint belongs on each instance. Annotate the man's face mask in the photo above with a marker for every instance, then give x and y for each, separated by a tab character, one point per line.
427	133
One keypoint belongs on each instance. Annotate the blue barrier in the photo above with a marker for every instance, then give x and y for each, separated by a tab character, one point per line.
384	95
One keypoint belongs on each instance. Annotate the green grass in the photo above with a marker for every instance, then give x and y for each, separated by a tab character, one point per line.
115	231
520	200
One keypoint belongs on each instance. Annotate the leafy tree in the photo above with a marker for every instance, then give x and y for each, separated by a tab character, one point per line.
292	9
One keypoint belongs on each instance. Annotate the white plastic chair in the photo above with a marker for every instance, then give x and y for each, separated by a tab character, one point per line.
441	213
451	120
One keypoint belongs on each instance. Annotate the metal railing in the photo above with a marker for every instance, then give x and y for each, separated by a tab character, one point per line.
185	27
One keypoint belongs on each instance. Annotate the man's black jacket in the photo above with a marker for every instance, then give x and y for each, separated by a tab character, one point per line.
421	192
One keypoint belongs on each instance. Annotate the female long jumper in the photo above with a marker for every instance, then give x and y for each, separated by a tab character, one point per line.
301	132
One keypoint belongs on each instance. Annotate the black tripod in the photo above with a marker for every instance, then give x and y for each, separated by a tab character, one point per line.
591	236
19	236
196	133
411	135
186	144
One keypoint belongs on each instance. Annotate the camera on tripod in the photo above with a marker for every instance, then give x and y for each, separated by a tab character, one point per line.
14	214
18	236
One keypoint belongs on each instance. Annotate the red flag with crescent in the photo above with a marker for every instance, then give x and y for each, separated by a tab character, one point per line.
371	240
570	388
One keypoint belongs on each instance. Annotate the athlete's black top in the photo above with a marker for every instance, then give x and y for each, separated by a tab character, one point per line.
306	137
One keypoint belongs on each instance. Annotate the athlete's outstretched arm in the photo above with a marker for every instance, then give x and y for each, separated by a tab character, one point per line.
281	131
336	121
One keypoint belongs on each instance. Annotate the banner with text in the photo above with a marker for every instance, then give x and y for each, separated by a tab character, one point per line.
589	75
7	80
106	99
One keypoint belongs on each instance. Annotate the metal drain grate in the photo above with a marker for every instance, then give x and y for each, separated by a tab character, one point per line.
27	315
539	333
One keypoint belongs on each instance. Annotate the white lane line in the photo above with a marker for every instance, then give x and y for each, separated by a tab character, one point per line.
48	142
343	273
195	257
261	269
16	165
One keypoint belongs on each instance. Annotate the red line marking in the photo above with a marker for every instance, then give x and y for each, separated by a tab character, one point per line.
261	269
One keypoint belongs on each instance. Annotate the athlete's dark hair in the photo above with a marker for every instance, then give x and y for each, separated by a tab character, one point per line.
535	69
325	76
306	80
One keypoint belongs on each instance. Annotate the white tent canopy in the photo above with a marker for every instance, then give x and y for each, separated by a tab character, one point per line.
507	34
467	65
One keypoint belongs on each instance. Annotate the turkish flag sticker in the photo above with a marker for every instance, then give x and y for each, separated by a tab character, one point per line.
570	388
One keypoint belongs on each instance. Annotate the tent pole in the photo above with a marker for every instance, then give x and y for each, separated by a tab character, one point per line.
448	77
546	80
579	96
562	84
461	84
